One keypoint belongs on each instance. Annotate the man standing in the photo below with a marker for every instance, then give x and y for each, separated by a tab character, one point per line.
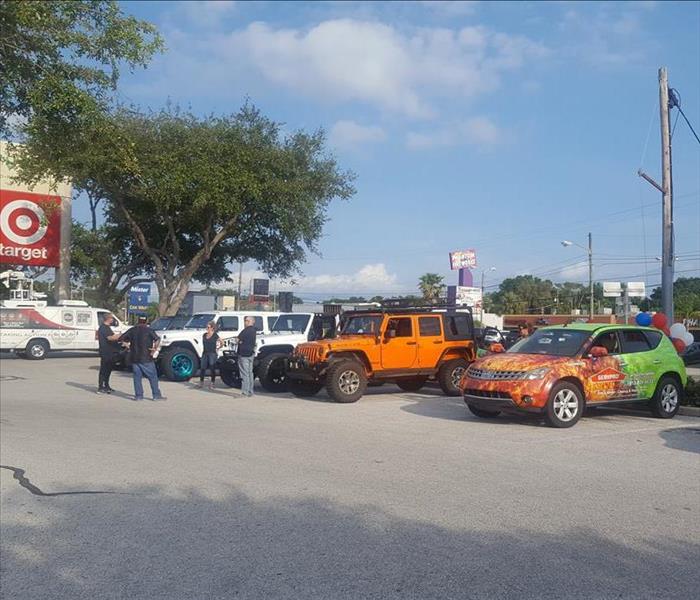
143	343
109	349
246	349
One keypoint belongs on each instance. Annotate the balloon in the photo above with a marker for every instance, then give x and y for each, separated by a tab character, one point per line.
679	345
659	320
643	319
667	331
678	330
688	338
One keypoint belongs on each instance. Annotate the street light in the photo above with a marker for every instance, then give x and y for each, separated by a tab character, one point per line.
567	243
481	317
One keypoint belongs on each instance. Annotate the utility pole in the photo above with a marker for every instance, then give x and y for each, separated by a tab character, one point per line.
240	280
666	189
667	185
590	269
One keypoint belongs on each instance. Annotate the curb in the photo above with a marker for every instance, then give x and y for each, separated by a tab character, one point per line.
689	411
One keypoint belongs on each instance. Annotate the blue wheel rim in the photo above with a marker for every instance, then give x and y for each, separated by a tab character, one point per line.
182	365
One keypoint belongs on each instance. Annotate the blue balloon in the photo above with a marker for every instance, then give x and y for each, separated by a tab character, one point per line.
643	319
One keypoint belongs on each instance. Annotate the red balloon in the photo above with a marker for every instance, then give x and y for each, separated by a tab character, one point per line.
679	345
659	320
666	330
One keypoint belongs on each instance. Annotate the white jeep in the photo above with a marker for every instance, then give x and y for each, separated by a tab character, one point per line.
181	349
273	349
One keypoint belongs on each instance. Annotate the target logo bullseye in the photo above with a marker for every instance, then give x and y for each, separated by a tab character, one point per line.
23	222
30	228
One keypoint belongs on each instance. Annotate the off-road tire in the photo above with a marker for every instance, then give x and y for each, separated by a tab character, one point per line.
411	384
346	381
36	349
450	374
179	364
271	373
231	377
304	389
481	413
565	405
667	398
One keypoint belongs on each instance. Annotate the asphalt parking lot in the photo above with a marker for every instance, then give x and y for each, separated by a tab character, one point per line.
402	495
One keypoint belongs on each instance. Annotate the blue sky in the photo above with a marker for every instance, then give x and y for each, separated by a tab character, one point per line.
503	127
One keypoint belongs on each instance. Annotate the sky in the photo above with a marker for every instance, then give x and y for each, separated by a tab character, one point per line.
498	126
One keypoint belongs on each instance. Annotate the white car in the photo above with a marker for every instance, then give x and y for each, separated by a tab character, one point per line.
273	349
181	349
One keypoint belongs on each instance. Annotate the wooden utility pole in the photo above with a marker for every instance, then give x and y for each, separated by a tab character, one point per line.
590	272
667	191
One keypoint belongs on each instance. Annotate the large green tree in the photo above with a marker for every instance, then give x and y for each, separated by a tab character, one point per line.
61	59
686	297
198	193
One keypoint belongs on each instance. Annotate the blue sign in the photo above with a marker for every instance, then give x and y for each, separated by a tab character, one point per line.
138	299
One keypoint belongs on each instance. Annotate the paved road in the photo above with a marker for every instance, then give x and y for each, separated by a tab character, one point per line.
402	495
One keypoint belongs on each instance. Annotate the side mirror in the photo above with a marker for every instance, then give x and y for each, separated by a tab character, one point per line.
598	351
496	348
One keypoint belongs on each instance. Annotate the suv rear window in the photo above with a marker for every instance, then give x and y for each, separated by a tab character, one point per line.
429	326
228	324
457	326
654	338
634	341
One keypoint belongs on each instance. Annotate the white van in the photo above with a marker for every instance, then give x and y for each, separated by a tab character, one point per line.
31	328
181	350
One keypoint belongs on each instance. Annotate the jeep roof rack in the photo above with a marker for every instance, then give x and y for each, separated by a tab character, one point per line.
406	310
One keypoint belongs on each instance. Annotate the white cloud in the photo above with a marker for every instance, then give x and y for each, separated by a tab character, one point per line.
402	71
205	13
370	278
477	131
349	134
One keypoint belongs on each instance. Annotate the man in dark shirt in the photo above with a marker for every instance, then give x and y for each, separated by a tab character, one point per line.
109	350
246	349
143	342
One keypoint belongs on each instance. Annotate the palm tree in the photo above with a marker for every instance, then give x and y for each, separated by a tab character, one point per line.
431	286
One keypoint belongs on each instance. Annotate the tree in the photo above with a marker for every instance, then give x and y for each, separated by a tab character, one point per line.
61	59
106	262
431	286
524	294
197	194
686	296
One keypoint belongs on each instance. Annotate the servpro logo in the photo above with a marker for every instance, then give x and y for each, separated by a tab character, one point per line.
608	375
29	228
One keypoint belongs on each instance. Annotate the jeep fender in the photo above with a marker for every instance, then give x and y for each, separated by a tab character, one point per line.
360	357
279	349
450	353
182	344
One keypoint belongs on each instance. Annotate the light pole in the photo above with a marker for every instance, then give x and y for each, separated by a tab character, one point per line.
483	271
590	264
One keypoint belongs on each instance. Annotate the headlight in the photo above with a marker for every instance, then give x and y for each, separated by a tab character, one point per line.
537	373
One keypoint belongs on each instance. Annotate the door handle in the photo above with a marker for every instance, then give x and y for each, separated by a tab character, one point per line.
437	342
410	343
657	361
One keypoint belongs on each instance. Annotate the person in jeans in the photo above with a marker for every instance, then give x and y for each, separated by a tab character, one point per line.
246	349
210	344
143	342
109	349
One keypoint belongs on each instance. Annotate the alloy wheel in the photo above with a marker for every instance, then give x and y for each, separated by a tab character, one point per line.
566	405
669	398
349	382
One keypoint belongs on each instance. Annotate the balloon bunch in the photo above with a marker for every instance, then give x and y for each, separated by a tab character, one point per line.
679	335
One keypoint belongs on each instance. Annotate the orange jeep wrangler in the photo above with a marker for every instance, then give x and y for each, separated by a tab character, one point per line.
405	346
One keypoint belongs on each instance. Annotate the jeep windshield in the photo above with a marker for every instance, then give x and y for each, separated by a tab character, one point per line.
555	342
199	321
291	324
363	325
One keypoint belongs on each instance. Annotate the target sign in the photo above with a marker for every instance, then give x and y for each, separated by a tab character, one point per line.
30	228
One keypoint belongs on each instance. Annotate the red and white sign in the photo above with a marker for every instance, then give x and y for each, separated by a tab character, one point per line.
608	375
30	228
463	259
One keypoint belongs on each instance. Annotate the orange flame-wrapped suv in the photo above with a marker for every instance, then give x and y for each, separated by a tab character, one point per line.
401	345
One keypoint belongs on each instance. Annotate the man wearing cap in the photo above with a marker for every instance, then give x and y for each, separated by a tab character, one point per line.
143	343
